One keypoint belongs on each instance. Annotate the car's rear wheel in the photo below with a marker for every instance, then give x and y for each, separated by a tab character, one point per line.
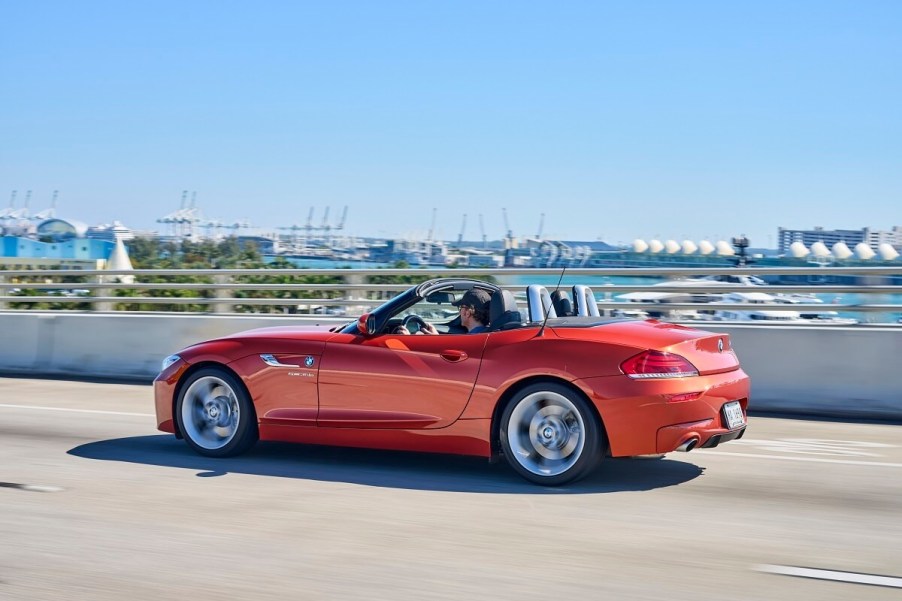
215	413
550	435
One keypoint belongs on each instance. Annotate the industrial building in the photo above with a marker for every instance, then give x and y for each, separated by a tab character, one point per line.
873	238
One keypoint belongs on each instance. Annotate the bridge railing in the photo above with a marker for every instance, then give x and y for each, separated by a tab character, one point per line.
873	292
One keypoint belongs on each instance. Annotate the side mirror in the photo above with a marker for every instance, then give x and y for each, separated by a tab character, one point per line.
366	324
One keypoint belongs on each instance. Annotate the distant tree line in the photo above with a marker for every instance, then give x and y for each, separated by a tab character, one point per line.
229	253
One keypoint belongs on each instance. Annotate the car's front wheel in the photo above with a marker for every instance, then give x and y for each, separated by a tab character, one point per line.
215	414
550	435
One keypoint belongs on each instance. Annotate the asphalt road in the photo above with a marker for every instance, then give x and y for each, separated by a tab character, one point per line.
96	504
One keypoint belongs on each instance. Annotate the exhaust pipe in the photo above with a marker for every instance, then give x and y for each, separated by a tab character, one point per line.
687	445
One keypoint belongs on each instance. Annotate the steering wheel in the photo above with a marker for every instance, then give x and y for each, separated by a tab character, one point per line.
414	319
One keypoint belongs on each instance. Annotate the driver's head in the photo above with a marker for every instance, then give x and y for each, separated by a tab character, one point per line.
478	301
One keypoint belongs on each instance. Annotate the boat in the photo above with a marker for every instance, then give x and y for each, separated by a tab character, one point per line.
807	316
766	312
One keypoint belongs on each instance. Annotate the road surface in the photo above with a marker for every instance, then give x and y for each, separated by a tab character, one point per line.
96	504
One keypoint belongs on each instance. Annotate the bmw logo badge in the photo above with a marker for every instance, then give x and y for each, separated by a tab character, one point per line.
309	360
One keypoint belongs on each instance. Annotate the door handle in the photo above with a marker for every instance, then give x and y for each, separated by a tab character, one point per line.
453	355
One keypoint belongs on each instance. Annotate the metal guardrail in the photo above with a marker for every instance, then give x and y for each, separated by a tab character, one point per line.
97	288
669	272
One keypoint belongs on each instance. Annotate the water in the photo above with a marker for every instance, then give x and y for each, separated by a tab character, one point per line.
595	281
327	263
831	301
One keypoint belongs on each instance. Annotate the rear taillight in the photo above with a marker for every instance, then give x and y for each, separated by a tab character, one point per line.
655	364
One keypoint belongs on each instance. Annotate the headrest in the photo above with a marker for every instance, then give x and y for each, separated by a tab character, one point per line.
562	305
503	309
502	301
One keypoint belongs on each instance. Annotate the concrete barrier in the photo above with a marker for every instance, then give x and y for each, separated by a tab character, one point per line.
112	345
831	371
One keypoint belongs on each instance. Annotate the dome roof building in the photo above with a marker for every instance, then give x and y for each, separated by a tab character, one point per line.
61	230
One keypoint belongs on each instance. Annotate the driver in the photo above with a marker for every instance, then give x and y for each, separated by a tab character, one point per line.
474	313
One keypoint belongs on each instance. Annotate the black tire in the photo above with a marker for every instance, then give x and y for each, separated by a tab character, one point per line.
550	435
215	414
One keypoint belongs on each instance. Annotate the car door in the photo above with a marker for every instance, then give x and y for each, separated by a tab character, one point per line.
397	381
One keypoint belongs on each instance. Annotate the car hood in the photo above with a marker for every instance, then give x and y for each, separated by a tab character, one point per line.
305	340
317	332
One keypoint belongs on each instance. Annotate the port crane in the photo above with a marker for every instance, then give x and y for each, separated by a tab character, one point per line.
509	236
12	212
309	229
238	225
7	213
482	229
309	225
344	217
295	228
432	226
325	227
210	225
47	213
182	222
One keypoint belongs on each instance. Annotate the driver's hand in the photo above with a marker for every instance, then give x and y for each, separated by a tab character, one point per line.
401	330
429	329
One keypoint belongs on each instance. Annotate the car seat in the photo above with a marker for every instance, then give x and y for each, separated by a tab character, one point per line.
503	312
561	302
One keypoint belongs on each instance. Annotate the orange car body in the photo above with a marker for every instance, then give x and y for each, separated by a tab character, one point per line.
445	393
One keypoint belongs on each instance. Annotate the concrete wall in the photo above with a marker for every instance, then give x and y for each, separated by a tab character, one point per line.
847	371
831	371
112	345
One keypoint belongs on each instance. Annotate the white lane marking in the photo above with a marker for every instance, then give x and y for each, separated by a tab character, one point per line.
816	446
811	459
40	488
851	577
36	408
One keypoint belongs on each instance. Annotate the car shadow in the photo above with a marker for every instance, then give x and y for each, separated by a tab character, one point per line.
389	469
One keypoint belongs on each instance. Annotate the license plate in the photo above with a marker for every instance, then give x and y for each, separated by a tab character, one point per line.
732	412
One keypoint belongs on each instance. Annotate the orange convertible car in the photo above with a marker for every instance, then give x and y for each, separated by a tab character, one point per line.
553	390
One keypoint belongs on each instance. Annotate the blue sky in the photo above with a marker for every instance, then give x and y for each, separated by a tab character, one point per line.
618	120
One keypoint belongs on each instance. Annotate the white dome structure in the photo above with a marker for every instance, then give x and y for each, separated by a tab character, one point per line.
841	250
820	250
724	249
639	245
655	246
798	250
672	247
864	251
689	247
887	252
705	247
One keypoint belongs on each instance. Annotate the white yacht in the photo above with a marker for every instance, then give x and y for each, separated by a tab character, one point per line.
763	310
764	314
